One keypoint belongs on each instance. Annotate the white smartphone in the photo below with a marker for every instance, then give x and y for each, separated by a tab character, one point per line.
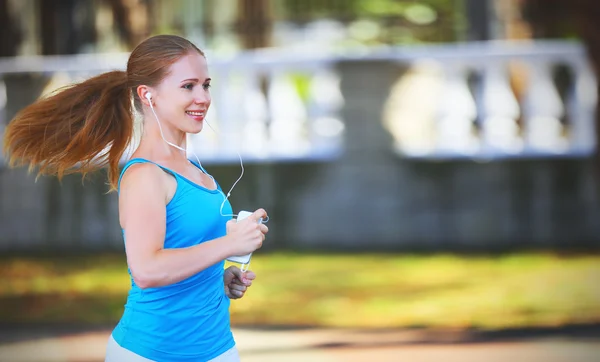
242	259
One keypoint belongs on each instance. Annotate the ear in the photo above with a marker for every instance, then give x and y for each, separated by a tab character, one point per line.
144	92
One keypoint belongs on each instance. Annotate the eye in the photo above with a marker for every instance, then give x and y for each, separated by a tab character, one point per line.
206	86
188	86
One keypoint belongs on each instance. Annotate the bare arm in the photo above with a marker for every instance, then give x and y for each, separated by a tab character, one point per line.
142	200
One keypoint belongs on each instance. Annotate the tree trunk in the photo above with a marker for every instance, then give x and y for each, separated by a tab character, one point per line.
133	20
10	37
254	23
66	26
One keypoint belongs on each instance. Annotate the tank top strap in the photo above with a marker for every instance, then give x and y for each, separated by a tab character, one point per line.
133	161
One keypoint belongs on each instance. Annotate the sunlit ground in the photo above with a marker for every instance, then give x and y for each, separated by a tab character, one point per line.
334	290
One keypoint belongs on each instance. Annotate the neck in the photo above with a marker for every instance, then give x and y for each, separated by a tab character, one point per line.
153	143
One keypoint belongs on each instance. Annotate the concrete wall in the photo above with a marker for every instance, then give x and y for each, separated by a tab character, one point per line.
368	199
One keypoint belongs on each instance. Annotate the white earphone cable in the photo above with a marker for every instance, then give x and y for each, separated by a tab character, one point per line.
226	197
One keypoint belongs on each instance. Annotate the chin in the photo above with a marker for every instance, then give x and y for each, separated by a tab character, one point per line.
195	130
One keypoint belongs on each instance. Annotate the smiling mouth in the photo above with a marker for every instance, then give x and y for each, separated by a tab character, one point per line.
195	114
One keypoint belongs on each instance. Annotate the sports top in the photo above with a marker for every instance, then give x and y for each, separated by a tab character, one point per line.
188	320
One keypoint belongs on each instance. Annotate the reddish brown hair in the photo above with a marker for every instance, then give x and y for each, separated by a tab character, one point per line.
86	126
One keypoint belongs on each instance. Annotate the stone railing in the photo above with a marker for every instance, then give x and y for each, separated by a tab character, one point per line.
371	119
493	100
481	100
263	107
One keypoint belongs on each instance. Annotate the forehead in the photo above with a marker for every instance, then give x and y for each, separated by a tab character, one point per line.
192	65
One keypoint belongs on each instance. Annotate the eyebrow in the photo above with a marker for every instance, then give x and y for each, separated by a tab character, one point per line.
196	80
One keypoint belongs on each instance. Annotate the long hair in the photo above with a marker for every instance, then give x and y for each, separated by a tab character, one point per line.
87	126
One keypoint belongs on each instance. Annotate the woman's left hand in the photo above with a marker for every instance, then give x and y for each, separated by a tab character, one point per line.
237	281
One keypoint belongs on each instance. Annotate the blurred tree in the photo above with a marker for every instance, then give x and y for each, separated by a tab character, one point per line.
400	21
254	23
132	19
66	26
10	37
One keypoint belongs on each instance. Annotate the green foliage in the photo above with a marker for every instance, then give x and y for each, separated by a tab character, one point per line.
302	83
368	290
400	21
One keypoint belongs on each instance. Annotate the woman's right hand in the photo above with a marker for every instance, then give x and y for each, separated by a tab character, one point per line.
248	234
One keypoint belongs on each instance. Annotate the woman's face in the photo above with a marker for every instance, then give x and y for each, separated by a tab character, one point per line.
183	98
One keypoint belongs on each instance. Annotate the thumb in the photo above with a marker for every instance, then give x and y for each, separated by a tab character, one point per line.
229	225
237	272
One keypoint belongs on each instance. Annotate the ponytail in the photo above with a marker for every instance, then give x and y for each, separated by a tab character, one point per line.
80	128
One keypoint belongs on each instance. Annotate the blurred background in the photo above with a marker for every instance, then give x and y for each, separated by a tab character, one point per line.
429	167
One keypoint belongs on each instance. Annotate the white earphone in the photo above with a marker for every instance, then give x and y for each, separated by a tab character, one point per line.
148	96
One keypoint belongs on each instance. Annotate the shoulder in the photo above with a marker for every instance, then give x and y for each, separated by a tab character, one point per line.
142	173
145	179
143	192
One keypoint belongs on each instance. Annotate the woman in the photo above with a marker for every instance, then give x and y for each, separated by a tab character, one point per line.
172	212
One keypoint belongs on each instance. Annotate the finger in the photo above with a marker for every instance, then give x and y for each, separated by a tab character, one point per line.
228	277
240	277
243	281
233	294
258	214
237	287
264	228
250	275
230	226
237	273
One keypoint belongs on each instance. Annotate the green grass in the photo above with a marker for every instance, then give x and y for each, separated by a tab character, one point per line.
367	290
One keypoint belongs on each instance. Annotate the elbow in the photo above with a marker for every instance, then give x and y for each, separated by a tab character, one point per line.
144	280
143	283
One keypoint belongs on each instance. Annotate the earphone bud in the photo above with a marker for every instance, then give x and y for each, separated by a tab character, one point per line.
149	96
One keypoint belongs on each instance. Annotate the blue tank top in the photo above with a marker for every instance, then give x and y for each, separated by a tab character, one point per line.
188	320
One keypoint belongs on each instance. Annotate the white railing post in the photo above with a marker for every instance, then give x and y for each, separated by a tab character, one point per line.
582	102
325	101
456	114
229	113
500	111
410	109
288	117
543	110
256	114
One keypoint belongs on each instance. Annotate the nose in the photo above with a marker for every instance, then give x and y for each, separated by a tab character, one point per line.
202	97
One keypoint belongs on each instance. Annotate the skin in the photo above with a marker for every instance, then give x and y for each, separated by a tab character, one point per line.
146	189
